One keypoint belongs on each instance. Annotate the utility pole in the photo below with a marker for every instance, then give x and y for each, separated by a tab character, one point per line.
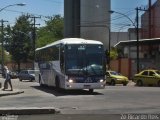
34	35
150	24
137	32
2	45
109	45
137	44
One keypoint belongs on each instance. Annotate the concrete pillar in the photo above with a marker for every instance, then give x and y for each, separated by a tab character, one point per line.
71	18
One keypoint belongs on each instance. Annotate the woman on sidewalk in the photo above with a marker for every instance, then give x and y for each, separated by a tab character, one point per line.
8	79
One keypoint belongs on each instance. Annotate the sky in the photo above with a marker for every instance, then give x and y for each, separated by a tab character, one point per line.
127	7
36	7
52	7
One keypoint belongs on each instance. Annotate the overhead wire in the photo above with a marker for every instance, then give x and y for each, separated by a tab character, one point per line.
54	1
29	13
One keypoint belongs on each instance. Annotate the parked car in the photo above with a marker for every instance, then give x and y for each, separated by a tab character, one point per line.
27	75
14	75
113	77
147	77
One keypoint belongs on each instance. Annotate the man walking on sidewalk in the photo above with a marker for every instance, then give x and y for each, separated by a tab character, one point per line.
8	79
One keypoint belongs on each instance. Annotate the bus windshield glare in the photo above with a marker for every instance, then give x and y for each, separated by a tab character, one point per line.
84	59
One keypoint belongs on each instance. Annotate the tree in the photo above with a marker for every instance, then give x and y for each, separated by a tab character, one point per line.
113	53
51	32
7	56
20	44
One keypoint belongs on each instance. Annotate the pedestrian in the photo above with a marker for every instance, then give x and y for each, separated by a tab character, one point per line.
8	79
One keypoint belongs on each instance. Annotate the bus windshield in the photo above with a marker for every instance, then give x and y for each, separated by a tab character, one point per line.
84	59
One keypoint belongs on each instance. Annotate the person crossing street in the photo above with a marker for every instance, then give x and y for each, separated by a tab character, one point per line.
8	79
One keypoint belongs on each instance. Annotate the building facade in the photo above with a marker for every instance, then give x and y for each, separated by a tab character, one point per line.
151	22
116	37
149	42
87	19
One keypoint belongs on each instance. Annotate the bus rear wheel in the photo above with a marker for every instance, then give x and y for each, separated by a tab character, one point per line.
91	90
57	83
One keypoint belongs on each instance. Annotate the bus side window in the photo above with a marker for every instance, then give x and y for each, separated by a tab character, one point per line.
62	58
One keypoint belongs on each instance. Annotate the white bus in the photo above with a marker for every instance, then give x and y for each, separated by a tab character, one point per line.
71	63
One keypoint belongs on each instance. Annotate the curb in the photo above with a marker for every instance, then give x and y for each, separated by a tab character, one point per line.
6	93
29	111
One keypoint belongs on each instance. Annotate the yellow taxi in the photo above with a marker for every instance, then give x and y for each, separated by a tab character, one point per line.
147	77
113	77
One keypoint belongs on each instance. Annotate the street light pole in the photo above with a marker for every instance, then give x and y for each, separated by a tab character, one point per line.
111	11
19	4
137	32
120	30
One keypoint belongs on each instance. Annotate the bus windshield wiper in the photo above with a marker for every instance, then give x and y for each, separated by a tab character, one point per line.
93	70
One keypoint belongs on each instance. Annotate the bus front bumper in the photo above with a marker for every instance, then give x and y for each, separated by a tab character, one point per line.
85	86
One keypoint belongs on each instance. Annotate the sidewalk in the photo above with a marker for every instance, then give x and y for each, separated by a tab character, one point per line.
8	92
6	111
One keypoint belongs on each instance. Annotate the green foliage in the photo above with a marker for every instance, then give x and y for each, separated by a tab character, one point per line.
7	56
113	53
19	40
20	44
51	32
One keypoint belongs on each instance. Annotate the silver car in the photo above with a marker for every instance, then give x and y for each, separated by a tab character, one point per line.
26	75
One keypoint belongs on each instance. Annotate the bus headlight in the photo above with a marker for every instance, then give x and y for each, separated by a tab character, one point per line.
101	81
70	81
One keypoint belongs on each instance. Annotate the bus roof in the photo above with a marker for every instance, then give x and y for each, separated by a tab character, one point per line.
72	41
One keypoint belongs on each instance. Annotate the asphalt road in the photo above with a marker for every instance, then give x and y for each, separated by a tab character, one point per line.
111	100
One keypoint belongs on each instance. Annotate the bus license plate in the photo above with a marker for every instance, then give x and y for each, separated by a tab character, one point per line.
87	86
